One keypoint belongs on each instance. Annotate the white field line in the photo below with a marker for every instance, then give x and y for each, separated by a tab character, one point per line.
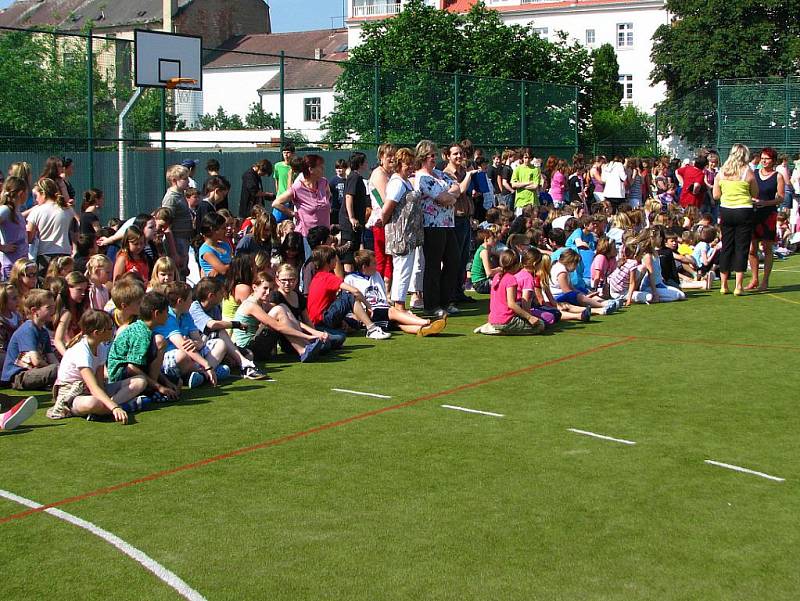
457	408
372	394
160	572
744	470
602	436
788	270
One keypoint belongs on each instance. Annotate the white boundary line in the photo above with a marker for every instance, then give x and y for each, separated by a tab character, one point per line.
744	470
457	408
788	270
594	435
372	394
160	572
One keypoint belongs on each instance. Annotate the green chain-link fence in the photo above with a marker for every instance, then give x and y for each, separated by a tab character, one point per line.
63	95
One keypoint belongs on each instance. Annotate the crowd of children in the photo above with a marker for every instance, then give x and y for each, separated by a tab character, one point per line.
107	317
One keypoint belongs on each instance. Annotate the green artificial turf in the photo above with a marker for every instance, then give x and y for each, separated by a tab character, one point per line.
422	502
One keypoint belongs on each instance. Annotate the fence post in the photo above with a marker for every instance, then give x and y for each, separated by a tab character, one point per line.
90	105
577	117
523	117
456	112
281	96
376	98
719	116
163	134
786	103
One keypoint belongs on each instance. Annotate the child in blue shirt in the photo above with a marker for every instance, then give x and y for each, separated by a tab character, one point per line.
186	355
30	362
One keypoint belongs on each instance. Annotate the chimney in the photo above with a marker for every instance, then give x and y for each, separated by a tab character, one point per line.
317	53
170	7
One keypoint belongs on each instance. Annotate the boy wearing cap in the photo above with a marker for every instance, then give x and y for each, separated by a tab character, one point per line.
190	165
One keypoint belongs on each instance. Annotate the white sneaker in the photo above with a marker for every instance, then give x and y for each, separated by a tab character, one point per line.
376	333
642	297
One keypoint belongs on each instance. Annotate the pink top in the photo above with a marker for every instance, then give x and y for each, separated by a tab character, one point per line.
602	266
311	208
98	296
524	282
557	185
499	313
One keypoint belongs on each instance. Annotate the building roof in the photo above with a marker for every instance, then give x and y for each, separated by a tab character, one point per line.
71	15
264	48
305	75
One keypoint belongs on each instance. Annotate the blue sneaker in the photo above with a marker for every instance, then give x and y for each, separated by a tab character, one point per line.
312	350
223	372
195	379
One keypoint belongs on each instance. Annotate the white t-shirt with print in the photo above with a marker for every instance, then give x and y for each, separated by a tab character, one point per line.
371	287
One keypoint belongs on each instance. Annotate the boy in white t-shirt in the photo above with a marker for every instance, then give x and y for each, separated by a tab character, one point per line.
366	280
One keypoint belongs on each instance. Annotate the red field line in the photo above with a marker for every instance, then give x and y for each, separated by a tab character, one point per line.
329	426
633	338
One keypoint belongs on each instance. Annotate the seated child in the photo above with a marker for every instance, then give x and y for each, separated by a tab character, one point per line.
605	261
265	323
331	300
134	352
207	315
506	315
563	291
187	356
369	284
164	272
482	270
288	296
30	362
652	288
539	268
10	318
80	388
98	272
623	281
705	255
126	297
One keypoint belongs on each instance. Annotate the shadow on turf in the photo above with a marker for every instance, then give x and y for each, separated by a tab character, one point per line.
31	428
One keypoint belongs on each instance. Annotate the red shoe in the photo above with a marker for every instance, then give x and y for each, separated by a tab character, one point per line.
18	413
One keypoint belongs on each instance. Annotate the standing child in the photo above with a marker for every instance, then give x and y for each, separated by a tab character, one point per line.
80	388
30	362
506	315
98	272
131	256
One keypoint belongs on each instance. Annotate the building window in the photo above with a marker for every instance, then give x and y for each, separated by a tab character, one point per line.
589	37
312	109
542	32
627	87
624	35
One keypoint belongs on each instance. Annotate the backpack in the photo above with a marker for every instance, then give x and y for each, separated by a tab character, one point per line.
404	231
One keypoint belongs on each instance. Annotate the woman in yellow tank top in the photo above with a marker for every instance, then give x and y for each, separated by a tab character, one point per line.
735	188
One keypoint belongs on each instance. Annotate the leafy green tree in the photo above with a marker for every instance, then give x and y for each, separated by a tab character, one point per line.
146	115
418	53
605	87
627	131
715	39
258	118
44	89
219	121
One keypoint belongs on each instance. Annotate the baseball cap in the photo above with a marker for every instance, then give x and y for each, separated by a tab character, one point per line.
190	163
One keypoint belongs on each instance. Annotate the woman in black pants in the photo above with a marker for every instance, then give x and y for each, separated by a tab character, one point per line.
735	187
438	194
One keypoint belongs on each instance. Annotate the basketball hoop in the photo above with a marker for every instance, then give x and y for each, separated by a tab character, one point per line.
174	82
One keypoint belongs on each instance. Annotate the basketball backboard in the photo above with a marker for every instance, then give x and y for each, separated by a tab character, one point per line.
163	57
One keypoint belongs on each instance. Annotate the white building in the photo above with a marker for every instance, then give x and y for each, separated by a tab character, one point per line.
628	25
246	71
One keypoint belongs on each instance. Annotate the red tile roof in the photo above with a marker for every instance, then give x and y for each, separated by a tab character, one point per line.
264	49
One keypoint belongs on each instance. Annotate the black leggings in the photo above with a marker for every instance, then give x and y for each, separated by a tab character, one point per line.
441	266
737	231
